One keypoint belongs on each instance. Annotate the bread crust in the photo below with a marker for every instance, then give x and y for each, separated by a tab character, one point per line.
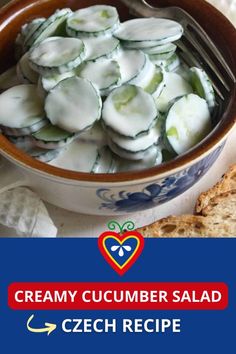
227	183
218	200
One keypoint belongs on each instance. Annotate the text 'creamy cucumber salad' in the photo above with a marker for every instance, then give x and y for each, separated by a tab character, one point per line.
92	94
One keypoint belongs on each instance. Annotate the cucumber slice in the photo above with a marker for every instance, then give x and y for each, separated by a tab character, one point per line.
26	144
57	55
151	79
99	47
139	144
154	81
53	26
175	87
129	111
161	57
52	137
20	132
160	80
93	21
21	108
26	31
164	142
202	86
161	49
133	156
188	122
154	158
160	30
104	161
78	156
25	73
103	73
132	63
30	27
139	45
145	75
44	155
170	64
96	135
73	105
49	82
9	79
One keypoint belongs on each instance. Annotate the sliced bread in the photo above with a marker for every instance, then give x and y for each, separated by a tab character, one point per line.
176	226
227	183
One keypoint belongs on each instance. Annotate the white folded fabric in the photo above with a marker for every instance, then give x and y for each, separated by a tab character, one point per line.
23	210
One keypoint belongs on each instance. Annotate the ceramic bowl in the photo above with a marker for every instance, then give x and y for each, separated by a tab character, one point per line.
127	192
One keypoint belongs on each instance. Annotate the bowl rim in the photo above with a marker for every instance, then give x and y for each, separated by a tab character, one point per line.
218	135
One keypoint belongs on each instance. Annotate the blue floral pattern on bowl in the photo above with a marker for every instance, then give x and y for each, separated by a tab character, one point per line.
158	193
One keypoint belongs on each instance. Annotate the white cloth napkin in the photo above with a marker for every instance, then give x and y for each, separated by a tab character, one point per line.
23	210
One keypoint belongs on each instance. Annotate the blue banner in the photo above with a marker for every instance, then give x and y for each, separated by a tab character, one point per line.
80	261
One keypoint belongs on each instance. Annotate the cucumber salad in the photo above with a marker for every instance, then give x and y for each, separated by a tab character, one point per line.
92	94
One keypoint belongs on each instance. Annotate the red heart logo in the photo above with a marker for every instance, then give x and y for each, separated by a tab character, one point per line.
121	251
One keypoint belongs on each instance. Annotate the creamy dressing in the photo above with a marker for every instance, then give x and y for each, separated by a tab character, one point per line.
187	123
94	19
24	71
175	86
24	143
170	64
152	158
73	105
44	155
49	82
49	27
20	107
133	156
30	28
27	144
203	86
75	73
103	73
142	45
129	111
152	79
138	144
96	135
161	56
56	52
97	47
52	137
145	76
160	49
183	71
131	63
104	161
78	156
150	29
